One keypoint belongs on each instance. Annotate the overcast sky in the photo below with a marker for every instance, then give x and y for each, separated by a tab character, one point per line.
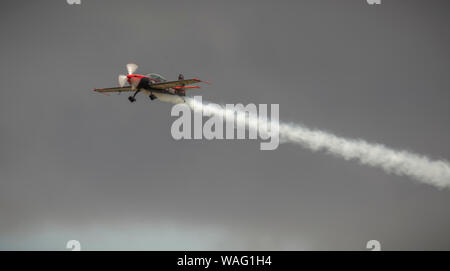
75	164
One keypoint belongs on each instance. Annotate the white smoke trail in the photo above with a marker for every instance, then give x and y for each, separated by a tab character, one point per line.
402	163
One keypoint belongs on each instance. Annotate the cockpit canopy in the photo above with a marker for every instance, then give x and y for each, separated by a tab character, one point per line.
156	77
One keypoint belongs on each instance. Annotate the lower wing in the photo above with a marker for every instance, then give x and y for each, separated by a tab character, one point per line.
118	89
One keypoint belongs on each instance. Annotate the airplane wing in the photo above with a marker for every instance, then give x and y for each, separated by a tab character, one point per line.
117	89
179	83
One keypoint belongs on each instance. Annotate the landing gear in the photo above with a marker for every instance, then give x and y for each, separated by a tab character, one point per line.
132	99
152	97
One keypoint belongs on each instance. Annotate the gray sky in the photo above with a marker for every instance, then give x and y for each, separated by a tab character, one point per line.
75	164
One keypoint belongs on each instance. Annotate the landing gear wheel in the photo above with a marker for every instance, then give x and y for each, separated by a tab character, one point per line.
152	97
131	99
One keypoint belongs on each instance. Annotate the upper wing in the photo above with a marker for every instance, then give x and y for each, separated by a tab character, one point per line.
178	83
117	89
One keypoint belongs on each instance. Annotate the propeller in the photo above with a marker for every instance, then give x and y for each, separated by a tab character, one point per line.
122	80
131	68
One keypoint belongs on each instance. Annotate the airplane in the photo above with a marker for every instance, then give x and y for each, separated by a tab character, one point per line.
153	85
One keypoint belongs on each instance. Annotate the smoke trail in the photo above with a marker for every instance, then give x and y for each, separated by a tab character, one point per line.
402	163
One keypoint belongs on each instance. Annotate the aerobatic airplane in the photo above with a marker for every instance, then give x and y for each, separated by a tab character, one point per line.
153	85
